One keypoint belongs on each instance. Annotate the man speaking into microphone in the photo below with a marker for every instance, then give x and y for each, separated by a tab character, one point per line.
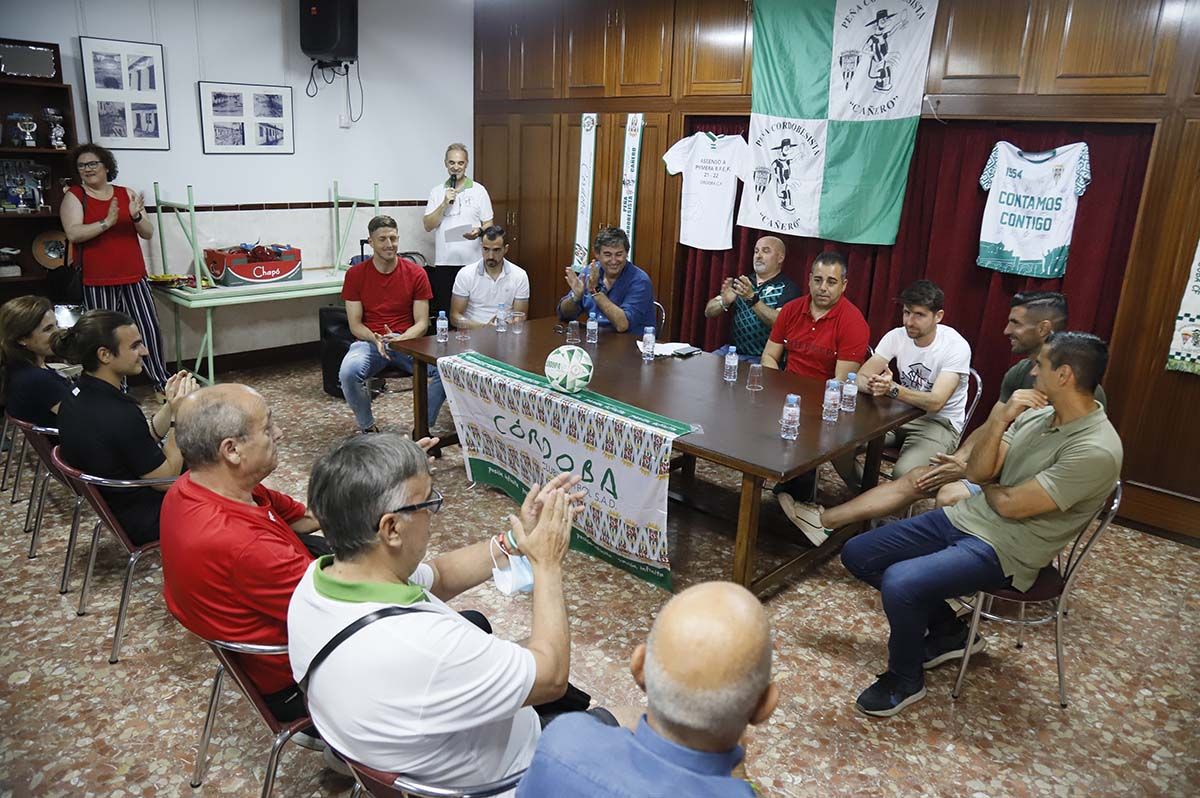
457	212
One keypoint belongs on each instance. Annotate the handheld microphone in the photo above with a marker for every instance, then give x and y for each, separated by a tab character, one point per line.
453	183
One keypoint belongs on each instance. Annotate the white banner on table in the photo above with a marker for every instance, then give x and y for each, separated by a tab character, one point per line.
629	175
515	430
1184	353
587	172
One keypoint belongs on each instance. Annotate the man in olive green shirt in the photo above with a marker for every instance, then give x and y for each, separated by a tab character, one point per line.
1047	460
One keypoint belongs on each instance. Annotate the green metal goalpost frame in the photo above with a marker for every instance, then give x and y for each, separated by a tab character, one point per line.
340	236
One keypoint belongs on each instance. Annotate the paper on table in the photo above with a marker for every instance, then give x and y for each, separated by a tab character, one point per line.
664	350
455	233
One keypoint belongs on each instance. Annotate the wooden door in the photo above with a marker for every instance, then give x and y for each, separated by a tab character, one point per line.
985	47
1109	46
492	164
643	35
568	187
587	28
534	212
537	50
714	38
651	190
493	57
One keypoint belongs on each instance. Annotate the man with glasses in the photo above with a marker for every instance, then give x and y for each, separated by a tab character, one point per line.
429	692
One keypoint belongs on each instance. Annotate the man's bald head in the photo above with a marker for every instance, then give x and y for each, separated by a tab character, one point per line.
213	414
708	661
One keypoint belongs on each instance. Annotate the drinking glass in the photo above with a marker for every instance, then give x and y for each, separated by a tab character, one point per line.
754	378
573	332
516	322
462	334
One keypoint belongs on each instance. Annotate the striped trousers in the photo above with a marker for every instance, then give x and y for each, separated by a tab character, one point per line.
134	300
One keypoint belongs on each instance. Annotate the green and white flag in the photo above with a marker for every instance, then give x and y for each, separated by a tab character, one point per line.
837	96
629	175
515	431
1184	352
581	253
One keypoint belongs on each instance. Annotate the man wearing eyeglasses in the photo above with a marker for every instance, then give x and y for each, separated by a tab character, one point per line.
428	693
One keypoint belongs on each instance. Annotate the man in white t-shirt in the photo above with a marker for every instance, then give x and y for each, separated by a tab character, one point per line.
481	287
457	213
430	693
933	363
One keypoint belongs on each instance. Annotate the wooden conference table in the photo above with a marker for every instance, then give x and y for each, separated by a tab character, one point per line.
739	428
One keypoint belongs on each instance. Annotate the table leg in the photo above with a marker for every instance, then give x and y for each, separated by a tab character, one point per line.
420	401
870	477
747	532
178	340
208	334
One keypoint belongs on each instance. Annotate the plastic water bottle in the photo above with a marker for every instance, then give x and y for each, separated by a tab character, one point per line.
443	327
648	344
501	318
850	393
593	328
789	422
731	365
833	400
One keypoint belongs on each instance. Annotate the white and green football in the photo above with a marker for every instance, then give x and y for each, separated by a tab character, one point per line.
569	369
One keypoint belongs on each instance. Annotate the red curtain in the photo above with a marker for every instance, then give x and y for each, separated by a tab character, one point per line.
939	239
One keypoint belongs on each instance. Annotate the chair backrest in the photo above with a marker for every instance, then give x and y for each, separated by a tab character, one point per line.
88	486
1087	537
973	402
229	655
660	317
381	784
42	439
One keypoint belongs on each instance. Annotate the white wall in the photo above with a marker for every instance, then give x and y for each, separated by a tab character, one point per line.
416	63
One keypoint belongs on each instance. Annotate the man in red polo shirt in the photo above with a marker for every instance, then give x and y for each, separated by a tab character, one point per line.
387	300
824	336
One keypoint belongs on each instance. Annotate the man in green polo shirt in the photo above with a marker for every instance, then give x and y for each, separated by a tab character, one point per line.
1047	460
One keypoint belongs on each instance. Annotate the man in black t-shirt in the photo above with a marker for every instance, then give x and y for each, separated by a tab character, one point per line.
755	300
103	430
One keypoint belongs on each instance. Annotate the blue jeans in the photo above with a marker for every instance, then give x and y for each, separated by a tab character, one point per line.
362	362
917	564
742	356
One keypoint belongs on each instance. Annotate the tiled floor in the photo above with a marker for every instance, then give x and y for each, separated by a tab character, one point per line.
71	724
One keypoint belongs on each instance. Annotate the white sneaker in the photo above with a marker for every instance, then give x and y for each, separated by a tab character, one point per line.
806	517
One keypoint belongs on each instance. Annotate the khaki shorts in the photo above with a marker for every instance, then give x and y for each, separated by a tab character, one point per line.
919	441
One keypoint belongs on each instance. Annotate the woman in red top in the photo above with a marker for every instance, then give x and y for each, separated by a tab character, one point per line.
104	222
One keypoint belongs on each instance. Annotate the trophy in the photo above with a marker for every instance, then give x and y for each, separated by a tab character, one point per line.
58	134
41	178
26	125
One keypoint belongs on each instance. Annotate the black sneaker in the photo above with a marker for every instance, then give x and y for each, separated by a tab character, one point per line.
940	650
888	695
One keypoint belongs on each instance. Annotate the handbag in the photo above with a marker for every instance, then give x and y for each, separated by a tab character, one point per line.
65	284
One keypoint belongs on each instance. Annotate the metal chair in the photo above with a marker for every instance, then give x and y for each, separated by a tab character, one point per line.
1053	586
42	439
8	461
892	453
88	486
660	315
227	654
381	784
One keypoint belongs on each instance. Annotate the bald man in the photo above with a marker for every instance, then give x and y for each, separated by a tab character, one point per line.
706	672
755	300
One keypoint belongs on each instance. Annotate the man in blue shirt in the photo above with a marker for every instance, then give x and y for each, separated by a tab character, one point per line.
618	292
706	672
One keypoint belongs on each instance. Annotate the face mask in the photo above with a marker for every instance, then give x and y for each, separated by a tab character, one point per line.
517	578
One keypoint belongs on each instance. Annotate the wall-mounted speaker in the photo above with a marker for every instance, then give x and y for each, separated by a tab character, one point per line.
329	30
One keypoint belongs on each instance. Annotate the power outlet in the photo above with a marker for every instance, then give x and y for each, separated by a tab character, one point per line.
343	121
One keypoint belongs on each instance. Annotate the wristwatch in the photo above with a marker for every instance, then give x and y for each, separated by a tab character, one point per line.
721	299
894	391
135	219
754	300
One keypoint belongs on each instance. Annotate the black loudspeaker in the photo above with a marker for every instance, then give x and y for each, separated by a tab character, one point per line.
335	342
329	30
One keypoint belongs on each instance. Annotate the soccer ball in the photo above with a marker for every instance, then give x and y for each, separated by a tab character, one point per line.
569	369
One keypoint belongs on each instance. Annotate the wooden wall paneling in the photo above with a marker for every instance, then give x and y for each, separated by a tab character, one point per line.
965	58
537	50
713	40
644	33
492	164
652	178
665	287
587	29
1110	46
537	190
493	57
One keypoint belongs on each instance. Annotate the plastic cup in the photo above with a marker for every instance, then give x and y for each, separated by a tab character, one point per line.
516	322
462	334
754	378
573	332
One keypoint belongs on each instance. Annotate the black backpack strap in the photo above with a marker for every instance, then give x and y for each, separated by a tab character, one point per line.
342	636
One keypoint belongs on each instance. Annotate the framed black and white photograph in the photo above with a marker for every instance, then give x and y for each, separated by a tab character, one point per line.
246	119
125	88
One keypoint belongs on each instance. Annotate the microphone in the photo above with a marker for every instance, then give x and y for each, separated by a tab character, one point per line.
453	183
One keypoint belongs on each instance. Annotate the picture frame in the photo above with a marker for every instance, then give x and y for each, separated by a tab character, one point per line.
125	90
246	118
